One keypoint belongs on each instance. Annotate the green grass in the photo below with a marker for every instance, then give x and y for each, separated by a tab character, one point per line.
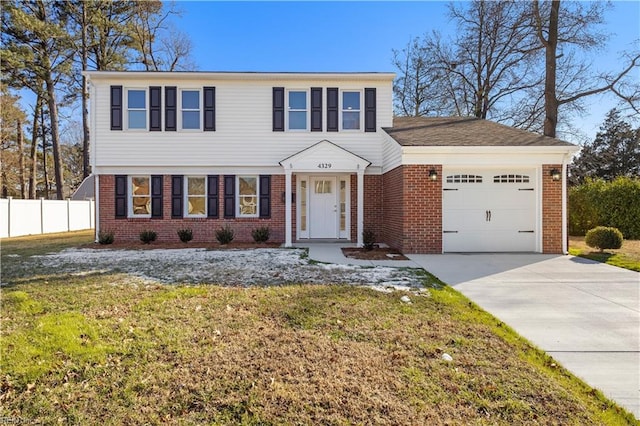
627	257
113	349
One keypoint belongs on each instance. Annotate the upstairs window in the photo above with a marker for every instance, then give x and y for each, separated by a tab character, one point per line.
297	112
351	110
196	196
136	109
247	196
190	106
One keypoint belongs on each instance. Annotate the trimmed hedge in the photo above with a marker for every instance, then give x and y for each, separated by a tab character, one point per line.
599	203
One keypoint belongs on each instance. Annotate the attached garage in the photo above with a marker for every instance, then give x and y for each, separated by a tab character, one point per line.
460	184
489	210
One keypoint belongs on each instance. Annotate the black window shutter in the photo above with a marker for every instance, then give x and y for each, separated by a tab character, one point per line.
209	109
170	108
265	196
316	109
156	196
332	109
213	205
177	199
370	110
116	107
278	109
155	105
121	195
229	196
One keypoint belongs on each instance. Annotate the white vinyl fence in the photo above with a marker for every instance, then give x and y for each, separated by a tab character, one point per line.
28	217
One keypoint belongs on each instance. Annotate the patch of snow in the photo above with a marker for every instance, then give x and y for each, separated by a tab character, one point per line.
252	267
447	357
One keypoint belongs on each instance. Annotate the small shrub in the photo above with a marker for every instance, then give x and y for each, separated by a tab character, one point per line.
225	235
106	237
185	235
602	237
368	239
147	236
261	235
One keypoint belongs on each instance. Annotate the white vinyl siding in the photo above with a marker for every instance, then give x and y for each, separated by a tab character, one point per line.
243	137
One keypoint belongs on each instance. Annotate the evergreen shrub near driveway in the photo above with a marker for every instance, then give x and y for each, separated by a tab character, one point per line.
600	203
603	238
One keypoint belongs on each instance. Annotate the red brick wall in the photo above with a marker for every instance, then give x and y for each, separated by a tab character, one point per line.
373	205
128	229
422	206
392	214
551	210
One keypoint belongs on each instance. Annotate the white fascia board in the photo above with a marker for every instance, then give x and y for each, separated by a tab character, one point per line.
487	155
182	170
200	76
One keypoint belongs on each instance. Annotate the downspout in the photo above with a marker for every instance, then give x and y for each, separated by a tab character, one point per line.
565	249
92	151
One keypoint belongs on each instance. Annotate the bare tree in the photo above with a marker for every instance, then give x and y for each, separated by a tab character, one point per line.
561	33
161	46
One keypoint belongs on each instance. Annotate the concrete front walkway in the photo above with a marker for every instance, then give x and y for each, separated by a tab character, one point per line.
584	314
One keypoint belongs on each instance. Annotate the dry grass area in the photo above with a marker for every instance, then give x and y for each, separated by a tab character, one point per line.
377	253
113	349
628	256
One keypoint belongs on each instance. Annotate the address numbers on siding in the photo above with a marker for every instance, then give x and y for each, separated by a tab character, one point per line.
324	165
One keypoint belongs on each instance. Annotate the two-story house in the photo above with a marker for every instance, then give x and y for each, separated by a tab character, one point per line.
316	156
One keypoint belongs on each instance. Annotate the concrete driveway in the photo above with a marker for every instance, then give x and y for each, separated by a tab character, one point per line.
584	314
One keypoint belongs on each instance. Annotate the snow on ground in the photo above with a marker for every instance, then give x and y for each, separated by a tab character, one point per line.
225	267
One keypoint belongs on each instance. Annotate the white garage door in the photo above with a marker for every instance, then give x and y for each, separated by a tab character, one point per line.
489	211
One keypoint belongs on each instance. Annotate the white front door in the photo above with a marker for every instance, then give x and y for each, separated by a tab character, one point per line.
323	207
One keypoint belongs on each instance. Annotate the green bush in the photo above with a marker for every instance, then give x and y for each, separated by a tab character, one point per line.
599	203
602	237
106	237
185	235
261	235
147	236
225	235
368	239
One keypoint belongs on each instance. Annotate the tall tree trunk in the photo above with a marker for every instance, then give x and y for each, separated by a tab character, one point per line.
55	137
20	137
44	153
33	155
550	98
85	96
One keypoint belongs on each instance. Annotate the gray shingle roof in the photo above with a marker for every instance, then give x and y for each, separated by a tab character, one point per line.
463	131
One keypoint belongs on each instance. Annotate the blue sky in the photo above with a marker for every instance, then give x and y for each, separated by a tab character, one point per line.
348	36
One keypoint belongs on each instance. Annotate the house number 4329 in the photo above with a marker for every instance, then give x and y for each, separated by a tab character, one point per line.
324	165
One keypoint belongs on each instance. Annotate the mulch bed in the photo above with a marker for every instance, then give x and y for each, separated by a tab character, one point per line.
378	253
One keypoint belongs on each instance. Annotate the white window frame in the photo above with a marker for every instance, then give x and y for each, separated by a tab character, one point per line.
238	208
130	196
186	196
342	110
306	110
181	110
145	109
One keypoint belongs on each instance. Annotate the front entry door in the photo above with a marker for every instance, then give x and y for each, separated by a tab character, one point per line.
323	208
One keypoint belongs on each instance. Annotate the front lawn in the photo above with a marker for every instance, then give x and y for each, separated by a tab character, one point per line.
108	347
628	256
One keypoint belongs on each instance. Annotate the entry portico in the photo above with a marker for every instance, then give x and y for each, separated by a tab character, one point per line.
323	188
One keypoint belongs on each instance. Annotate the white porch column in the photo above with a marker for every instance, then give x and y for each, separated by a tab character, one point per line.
360	226
287	211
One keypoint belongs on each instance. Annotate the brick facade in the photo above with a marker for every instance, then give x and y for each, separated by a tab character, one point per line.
551	210
403	208
128	229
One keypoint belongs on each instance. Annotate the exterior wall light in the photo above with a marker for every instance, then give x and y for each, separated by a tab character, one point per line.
555	174
433	174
